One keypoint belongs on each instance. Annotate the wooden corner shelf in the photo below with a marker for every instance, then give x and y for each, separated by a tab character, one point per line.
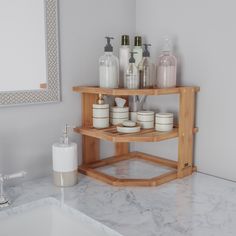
184	131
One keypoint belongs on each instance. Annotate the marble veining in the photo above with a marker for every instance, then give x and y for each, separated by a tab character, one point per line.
134	169
198	205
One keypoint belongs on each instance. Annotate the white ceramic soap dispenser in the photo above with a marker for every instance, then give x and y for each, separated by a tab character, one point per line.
65	161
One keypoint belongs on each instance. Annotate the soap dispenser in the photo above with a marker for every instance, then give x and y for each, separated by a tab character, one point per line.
108	67
132	74
167	66
65	161
146	69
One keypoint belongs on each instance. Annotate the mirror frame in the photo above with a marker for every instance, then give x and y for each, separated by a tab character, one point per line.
52	92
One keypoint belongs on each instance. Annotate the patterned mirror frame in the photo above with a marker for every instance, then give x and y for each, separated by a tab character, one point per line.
52	93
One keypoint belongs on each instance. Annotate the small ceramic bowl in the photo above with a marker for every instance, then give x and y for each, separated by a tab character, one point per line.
100	123
128	130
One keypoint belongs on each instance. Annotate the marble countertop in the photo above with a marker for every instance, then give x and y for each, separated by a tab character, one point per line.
196	205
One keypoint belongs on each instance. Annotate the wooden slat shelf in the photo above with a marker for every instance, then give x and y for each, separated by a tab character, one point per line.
145	135
123	92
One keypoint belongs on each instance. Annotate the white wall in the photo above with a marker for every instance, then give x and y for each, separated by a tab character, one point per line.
205	34
27	132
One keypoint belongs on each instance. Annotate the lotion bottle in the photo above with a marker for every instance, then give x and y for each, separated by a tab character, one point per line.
138	50
124	59
108	67
167	67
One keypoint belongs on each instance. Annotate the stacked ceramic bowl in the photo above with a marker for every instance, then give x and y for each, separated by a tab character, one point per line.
100	116
164	122
119	114
146	119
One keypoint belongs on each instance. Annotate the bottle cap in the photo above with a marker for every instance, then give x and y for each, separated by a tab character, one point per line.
167	45
132	60
108	47
137	41
125	40
146	52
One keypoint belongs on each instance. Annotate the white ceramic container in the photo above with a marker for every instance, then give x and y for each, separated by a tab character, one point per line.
101	123
164	127
100	112
129	123
146	124
145	116
117	121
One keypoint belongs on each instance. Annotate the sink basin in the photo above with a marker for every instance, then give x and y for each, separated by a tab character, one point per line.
47	217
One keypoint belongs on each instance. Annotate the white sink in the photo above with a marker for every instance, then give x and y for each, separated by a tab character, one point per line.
47	217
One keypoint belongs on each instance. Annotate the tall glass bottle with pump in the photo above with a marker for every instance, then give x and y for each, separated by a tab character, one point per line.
146	69
108	67
138	50
167	67
124	59
132	74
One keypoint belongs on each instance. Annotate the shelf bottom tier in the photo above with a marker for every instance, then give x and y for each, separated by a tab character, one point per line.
132	169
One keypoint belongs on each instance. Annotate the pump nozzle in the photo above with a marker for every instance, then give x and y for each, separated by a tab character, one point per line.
132	60
108	47
146	52
65	138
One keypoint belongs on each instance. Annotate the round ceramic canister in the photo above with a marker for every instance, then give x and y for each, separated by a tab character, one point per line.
146	124
164	118
145	116
100	110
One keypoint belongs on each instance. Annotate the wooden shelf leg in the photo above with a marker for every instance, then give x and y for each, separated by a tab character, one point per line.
186	125
91	146
121	148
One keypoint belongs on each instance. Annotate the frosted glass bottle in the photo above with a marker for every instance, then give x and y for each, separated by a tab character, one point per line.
132	74
124	59
166	67
108	68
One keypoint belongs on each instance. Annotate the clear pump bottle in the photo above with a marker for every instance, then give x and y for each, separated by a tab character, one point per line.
108	67
146	69
132	74
167	67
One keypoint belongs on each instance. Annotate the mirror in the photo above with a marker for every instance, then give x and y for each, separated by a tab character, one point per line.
29	55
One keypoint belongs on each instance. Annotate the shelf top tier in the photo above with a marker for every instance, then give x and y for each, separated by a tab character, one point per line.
123	92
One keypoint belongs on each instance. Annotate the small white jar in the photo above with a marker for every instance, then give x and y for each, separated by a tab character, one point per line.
100	116
119	114
164	122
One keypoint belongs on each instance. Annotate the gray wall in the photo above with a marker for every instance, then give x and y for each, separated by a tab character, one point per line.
205	34
27	132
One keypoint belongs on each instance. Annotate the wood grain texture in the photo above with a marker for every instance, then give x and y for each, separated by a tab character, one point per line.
123	92
186	125
90	145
